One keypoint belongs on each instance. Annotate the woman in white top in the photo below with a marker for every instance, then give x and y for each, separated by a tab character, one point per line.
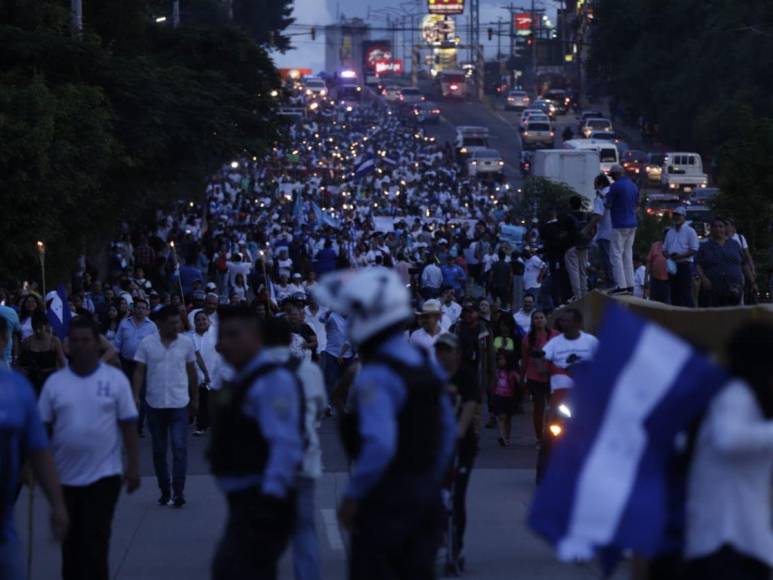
728	503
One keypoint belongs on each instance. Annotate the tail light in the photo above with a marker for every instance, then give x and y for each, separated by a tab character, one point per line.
454	87
436	111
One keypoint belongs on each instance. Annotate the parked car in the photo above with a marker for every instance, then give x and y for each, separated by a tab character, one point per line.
517	101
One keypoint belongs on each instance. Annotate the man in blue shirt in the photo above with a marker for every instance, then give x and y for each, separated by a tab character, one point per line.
623	202
399	431
22	436
13	328
128	337
256	450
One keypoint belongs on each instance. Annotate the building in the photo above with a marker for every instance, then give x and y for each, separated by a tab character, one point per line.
344	45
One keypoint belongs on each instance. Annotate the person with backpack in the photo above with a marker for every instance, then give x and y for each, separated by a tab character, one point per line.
581	231
256	450
305	544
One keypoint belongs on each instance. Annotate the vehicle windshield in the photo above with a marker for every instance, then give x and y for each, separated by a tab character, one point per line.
487	154
635	156
656	158
539	127
314	83
517	94
475	142
554	95
608	156
411	92
603	135
598	123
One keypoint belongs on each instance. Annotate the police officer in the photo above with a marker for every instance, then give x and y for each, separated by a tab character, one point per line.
256	450
399	432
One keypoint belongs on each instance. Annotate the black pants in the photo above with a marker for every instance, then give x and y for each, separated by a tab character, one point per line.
681	285
726	564
202	418
560	289
467	455
257	532
660	290
87	544
396	540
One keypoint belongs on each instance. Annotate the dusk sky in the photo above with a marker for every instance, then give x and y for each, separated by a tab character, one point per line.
310	53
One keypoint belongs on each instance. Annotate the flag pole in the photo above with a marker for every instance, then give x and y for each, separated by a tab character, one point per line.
179	275
42	256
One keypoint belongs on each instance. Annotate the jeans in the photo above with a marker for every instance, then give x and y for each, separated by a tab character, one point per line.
87	544
305	544
576	260
256	534
606	263
681	285
621	254
332	371
163	424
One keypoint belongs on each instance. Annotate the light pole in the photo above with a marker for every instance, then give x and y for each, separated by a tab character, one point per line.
42	256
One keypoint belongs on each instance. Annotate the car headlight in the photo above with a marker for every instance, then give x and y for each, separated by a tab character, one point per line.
463	150
501	163
555	429
565	410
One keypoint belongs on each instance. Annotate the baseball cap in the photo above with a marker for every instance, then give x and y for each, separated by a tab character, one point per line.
210	287
680	211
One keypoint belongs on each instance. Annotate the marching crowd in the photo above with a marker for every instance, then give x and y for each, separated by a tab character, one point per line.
354	254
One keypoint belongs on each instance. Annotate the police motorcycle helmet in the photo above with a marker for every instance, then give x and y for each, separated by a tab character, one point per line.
375	299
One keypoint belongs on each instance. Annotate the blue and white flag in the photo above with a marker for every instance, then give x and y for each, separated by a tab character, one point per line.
607	485
58	311
323	219
368	165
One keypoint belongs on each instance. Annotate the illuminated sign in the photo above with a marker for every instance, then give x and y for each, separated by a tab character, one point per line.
445	6
388	66
522	23
436	29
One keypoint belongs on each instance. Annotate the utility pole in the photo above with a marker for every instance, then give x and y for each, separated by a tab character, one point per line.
499	39
175	13
534	46
76	17
475	51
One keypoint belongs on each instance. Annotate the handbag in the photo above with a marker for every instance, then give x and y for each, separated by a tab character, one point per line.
671	266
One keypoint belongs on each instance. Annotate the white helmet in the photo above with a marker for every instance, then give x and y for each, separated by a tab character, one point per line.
374	299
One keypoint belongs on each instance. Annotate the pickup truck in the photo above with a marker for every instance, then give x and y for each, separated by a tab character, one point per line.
683	172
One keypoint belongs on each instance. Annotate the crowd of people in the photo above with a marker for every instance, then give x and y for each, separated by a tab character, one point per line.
244	293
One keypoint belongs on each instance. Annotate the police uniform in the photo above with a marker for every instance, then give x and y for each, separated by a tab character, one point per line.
256	451
400	435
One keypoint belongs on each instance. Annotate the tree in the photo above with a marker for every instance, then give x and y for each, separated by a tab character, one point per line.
265	20
107	127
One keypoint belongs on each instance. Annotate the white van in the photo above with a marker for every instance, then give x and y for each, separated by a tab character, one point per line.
608	153
683	171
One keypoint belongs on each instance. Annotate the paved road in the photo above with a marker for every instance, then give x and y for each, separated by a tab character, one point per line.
154	543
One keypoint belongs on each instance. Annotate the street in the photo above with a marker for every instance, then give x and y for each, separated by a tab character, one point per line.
154	543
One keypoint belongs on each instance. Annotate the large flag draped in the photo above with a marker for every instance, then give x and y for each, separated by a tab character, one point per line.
323	219
607	487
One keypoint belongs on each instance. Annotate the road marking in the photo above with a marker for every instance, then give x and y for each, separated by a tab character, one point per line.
332	530
505	120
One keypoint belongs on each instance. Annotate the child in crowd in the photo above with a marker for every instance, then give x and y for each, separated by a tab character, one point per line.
505	390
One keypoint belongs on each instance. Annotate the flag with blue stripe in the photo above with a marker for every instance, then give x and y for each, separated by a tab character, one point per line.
368	165
58	311
299	216
323	219
607	487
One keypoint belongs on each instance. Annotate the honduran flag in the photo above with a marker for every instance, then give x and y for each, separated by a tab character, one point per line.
58	311
366	166
608	486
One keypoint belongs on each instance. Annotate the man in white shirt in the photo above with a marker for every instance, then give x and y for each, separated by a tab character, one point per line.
681	245
452	310
533	272
338	353
89	408
172	397
603	222
305	543
569	348
429	318
523	316
208	367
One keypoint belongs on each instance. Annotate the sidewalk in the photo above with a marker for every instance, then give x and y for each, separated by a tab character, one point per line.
154	543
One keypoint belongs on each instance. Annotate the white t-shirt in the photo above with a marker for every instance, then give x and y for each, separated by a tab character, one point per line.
638	281
523	320
84	413
559	349
423	339
531	271
604	228
167	377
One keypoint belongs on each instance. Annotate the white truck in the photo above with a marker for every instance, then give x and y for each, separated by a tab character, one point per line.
683	172
576	168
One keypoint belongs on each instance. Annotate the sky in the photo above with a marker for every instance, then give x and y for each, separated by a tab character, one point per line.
311	54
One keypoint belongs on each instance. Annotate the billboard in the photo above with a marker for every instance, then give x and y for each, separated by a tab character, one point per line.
445	6
436	29
522	23
373	52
